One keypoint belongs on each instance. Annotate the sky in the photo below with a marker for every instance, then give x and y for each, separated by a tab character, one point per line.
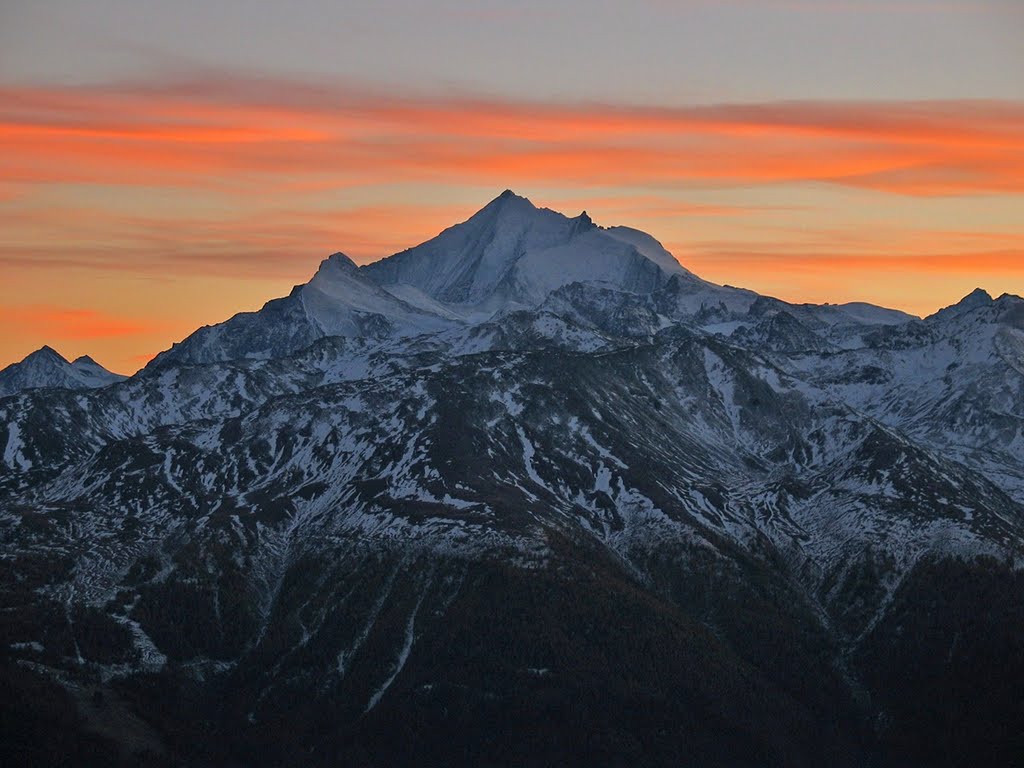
166	165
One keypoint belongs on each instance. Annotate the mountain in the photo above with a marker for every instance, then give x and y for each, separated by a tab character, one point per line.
46	368
338	301
529	493
513	254
509	256
952	381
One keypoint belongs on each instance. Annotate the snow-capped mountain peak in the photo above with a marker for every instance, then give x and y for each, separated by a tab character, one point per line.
512	254
466	263
506	200
48	368
976	299
338	260
341	301
509	256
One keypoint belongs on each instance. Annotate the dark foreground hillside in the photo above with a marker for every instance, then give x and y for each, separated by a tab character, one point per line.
580	667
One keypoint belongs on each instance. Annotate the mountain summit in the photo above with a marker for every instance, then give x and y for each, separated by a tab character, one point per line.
513	253
47	368
509	255
976	299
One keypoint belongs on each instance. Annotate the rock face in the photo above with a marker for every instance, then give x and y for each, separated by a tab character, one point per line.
529	493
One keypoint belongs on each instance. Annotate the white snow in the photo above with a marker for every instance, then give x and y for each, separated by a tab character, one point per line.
403	653
528	453
13	456
649	247
46	368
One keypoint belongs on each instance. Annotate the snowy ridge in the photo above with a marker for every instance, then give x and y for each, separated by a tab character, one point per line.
47	368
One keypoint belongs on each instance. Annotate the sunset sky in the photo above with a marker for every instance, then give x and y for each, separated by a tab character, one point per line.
165	165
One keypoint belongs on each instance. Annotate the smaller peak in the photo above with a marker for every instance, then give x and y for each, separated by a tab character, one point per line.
336	270
84	360
976	298
338	260
46	351
583	223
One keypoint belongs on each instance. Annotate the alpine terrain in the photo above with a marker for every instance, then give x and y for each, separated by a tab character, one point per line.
530	493
47	368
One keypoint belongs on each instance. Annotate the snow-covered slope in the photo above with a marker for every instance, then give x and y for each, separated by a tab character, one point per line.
954	381
512	255
46	368
509	256
468	263
337	301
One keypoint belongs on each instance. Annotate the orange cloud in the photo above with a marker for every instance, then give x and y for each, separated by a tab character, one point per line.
76	324
657	207
221	133
282	242
782	260
154	189
916	282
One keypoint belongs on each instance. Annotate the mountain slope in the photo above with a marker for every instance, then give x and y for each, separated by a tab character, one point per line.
511	253
954	382
337	301
333	519
508	256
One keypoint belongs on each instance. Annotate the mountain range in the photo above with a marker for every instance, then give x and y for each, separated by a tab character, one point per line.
47	368
529	493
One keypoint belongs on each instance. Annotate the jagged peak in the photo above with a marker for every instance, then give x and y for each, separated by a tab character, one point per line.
508	194
583	223
979	297
976	299
45	351
338	260
507	201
